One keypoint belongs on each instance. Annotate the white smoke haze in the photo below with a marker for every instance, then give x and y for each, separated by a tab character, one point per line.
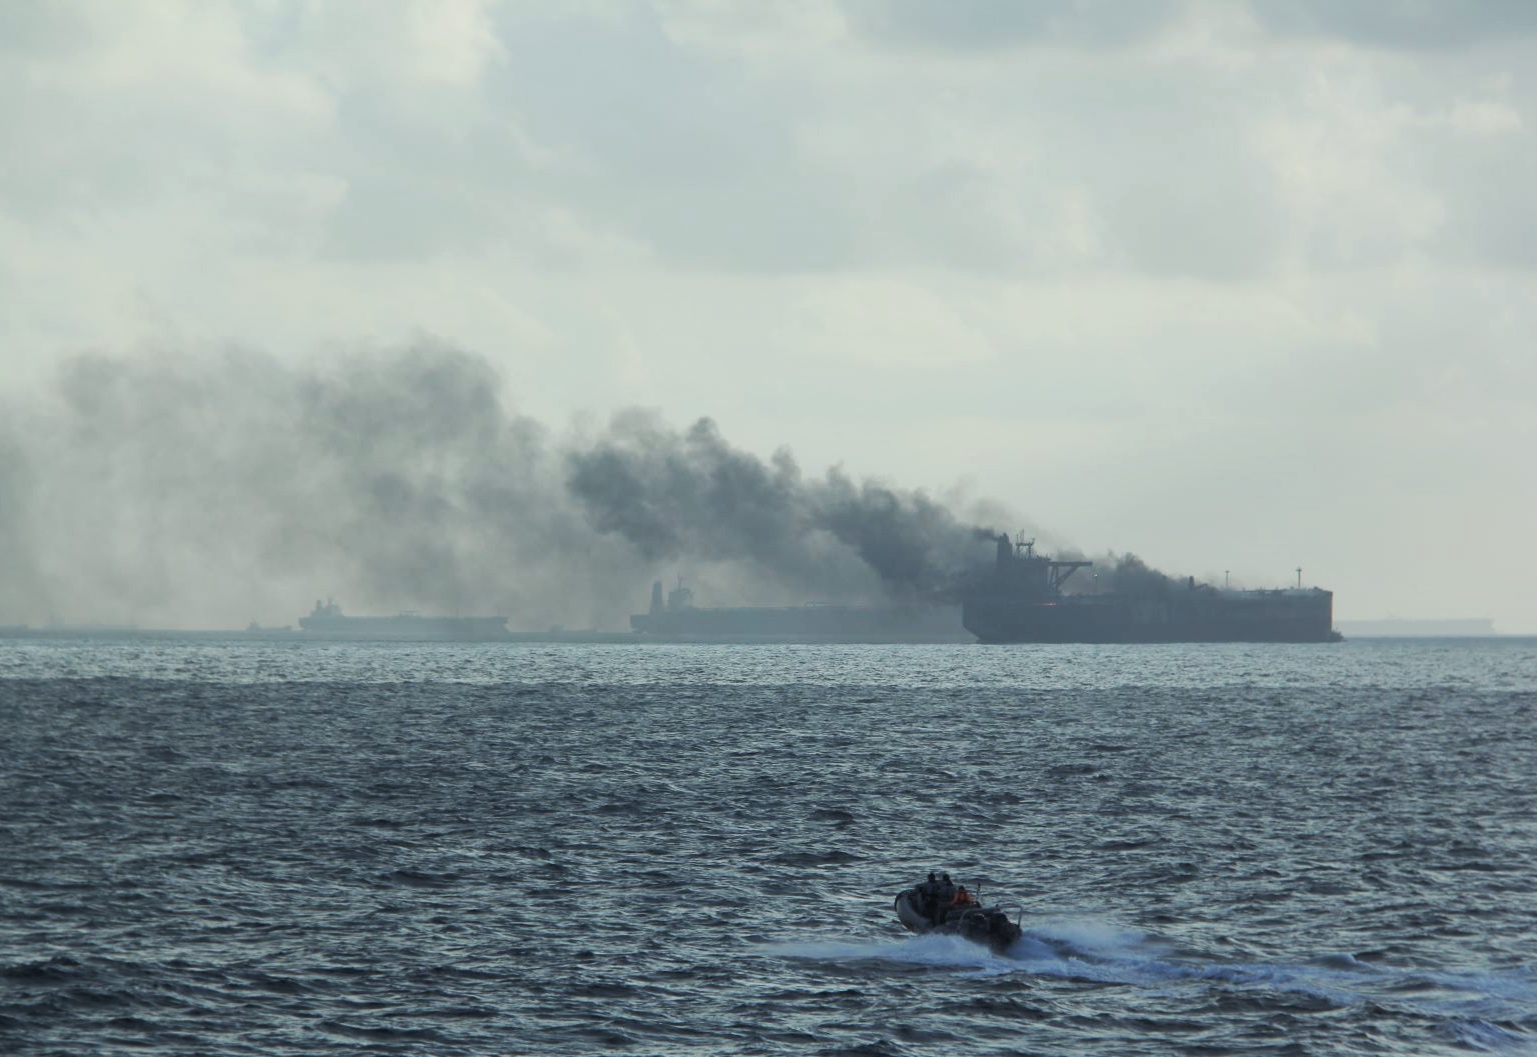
211	489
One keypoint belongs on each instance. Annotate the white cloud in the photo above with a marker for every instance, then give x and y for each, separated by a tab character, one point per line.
1200	265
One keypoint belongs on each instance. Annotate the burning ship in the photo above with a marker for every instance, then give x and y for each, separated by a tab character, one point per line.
677	619
326	621
1022	600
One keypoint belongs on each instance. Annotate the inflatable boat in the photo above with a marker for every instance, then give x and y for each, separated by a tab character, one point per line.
938	905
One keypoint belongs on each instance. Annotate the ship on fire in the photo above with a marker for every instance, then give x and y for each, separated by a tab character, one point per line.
1024	598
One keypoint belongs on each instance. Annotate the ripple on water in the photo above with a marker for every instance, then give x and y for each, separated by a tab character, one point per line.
246	848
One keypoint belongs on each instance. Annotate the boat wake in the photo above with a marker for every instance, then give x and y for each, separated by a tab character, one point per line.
1082	950
1491	1011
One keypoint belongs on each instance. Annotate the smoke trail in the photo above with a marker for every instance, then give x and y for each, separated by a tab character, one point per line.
675	495
178	490
1124	574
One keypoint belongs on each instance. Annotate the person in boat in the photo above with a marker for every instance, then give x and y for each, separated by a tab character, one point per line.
963	898
928	898
935	896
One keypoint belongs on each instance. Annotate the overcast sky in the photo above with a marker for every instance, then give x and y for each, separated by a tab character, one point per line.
1234	286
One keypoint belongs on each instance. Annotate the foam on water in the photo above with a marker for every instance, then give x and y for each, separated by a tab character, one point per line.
948	952
1482	1010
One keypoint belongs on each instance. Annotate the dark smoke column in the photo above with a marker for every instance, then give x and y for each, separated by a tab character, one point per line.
691	496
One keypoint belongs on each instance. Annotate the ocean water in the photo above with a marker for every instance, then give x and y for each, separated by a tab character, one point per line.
234	847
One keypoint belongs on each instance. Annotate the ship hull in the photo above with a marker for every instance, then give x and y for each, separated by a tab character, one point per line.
1257	616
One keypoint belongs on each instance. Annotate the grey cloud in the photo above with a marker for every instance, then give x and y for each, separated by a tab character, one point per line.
407	212
988	25
1402	23
610	122
38	29
678	147
1214	221
1485	183
595	133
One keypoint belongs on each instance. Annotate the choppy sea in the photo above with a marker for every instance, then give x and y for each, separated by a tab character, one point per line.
240	847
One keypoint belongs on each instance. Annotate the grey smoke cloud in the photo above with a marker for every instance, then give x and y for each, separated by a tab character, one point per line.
182	490
675	494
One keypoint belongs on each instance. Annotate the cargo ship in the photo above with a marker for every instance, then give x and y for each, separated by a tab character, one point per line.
677	619
326	621
1023	598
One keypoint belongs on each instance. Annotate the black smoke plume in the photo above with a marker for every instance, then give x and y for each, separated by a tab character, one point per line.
677	495
209	490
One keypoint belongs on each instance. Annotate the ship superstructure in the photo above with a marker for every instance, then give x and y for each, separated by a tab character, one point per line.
1023	599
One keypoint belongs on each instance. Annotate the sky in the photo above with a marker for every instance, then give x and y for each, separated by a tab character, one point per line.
1237	287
